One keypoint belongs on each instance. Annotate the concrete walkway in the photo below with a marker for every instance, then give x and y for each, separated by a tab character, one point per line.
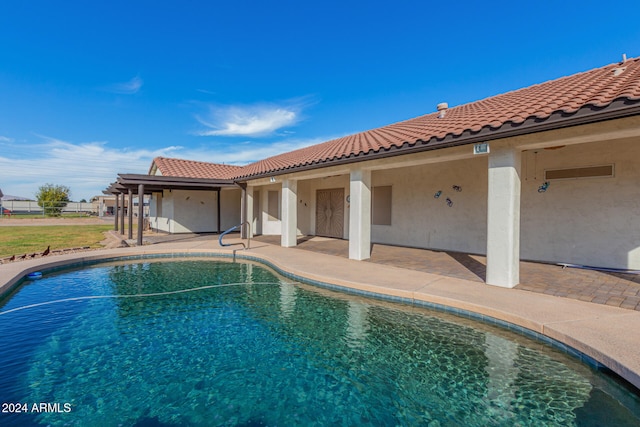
605	333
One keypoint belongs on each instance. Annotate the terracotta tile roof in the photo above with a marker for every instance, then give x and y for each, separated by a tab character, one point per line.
194	169
594	90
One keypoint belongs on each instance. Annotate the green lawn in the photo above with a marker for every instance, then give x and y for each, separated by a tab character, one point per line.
18	240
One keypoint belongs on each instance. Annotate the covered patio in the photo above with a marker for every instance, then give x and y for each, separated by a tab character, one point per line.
138	184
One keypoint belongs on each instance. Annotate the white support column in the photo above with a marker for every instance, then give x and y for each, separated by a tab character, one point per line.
360	215
289	213
503	218
249	209
243	211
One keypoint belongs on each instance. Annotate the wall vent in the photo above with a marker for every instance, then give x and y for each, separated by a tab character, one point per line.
603	171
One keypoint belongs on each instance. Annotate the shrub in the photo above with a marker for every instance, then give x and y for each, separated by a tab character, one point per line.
53	198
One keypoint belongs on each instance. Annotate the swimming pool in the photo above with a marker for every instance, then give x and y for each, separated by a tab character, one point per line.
210	342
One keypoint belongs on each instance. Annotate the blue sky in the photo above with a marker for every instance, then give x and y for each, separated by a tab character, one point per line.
90	89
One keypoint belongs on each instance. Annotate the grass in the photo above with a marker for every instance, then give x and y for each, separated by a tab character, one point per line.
18	240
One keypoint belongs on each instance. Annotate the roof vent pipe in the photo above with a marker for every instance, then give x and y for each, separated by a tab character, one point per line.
442	107
624	58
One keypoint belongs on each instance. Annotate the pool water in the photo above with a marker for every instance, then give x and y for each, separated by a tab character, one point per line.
245	346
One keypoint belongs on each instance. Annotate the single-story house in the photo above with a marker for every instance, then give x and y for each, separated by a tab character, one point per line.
547	173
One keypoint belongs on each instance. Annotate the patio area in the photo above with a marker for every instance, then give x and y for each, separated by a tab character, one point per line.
614	289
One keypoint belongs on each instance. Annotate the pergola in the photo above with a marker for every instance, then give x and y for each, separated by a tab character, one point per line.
140	185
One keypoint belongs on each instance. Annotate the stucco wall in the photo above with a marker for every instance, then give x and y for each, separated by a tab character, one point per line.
231	201
591	221
270	226
162	213
304	207
256	209
196	211
421	220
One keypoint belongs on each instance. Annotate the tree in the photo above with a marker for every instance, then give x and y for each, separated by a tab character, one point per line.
52	198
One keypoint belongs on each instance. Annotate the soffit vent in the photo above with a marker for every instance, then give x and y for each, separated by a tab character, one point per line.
603	171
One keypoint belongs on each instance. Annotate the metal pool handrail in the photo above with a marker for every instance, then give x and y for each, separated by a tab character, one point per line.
235	227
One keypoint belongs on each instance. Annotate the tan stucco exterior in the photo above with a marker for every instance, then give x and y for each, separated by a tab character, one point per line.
190	211
452	199
592	221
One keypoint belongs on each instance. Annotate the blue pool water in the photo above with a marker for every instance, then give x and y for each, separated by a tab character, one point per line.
248	347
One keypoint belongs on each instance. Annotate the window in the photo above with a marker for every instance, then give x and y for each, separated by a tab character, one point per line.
273	211
381	205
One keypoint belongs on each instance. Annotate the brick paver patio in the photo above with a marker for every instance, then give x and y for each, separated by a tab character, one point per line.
615	289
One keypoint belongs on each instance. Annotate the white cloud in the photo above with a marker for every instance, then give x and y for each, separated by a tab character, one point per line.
86	168
248	121
5	139
206	92
127	88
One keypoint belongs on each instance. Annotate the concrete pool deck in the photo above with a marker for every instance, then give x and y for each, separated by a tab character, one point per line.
605	333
